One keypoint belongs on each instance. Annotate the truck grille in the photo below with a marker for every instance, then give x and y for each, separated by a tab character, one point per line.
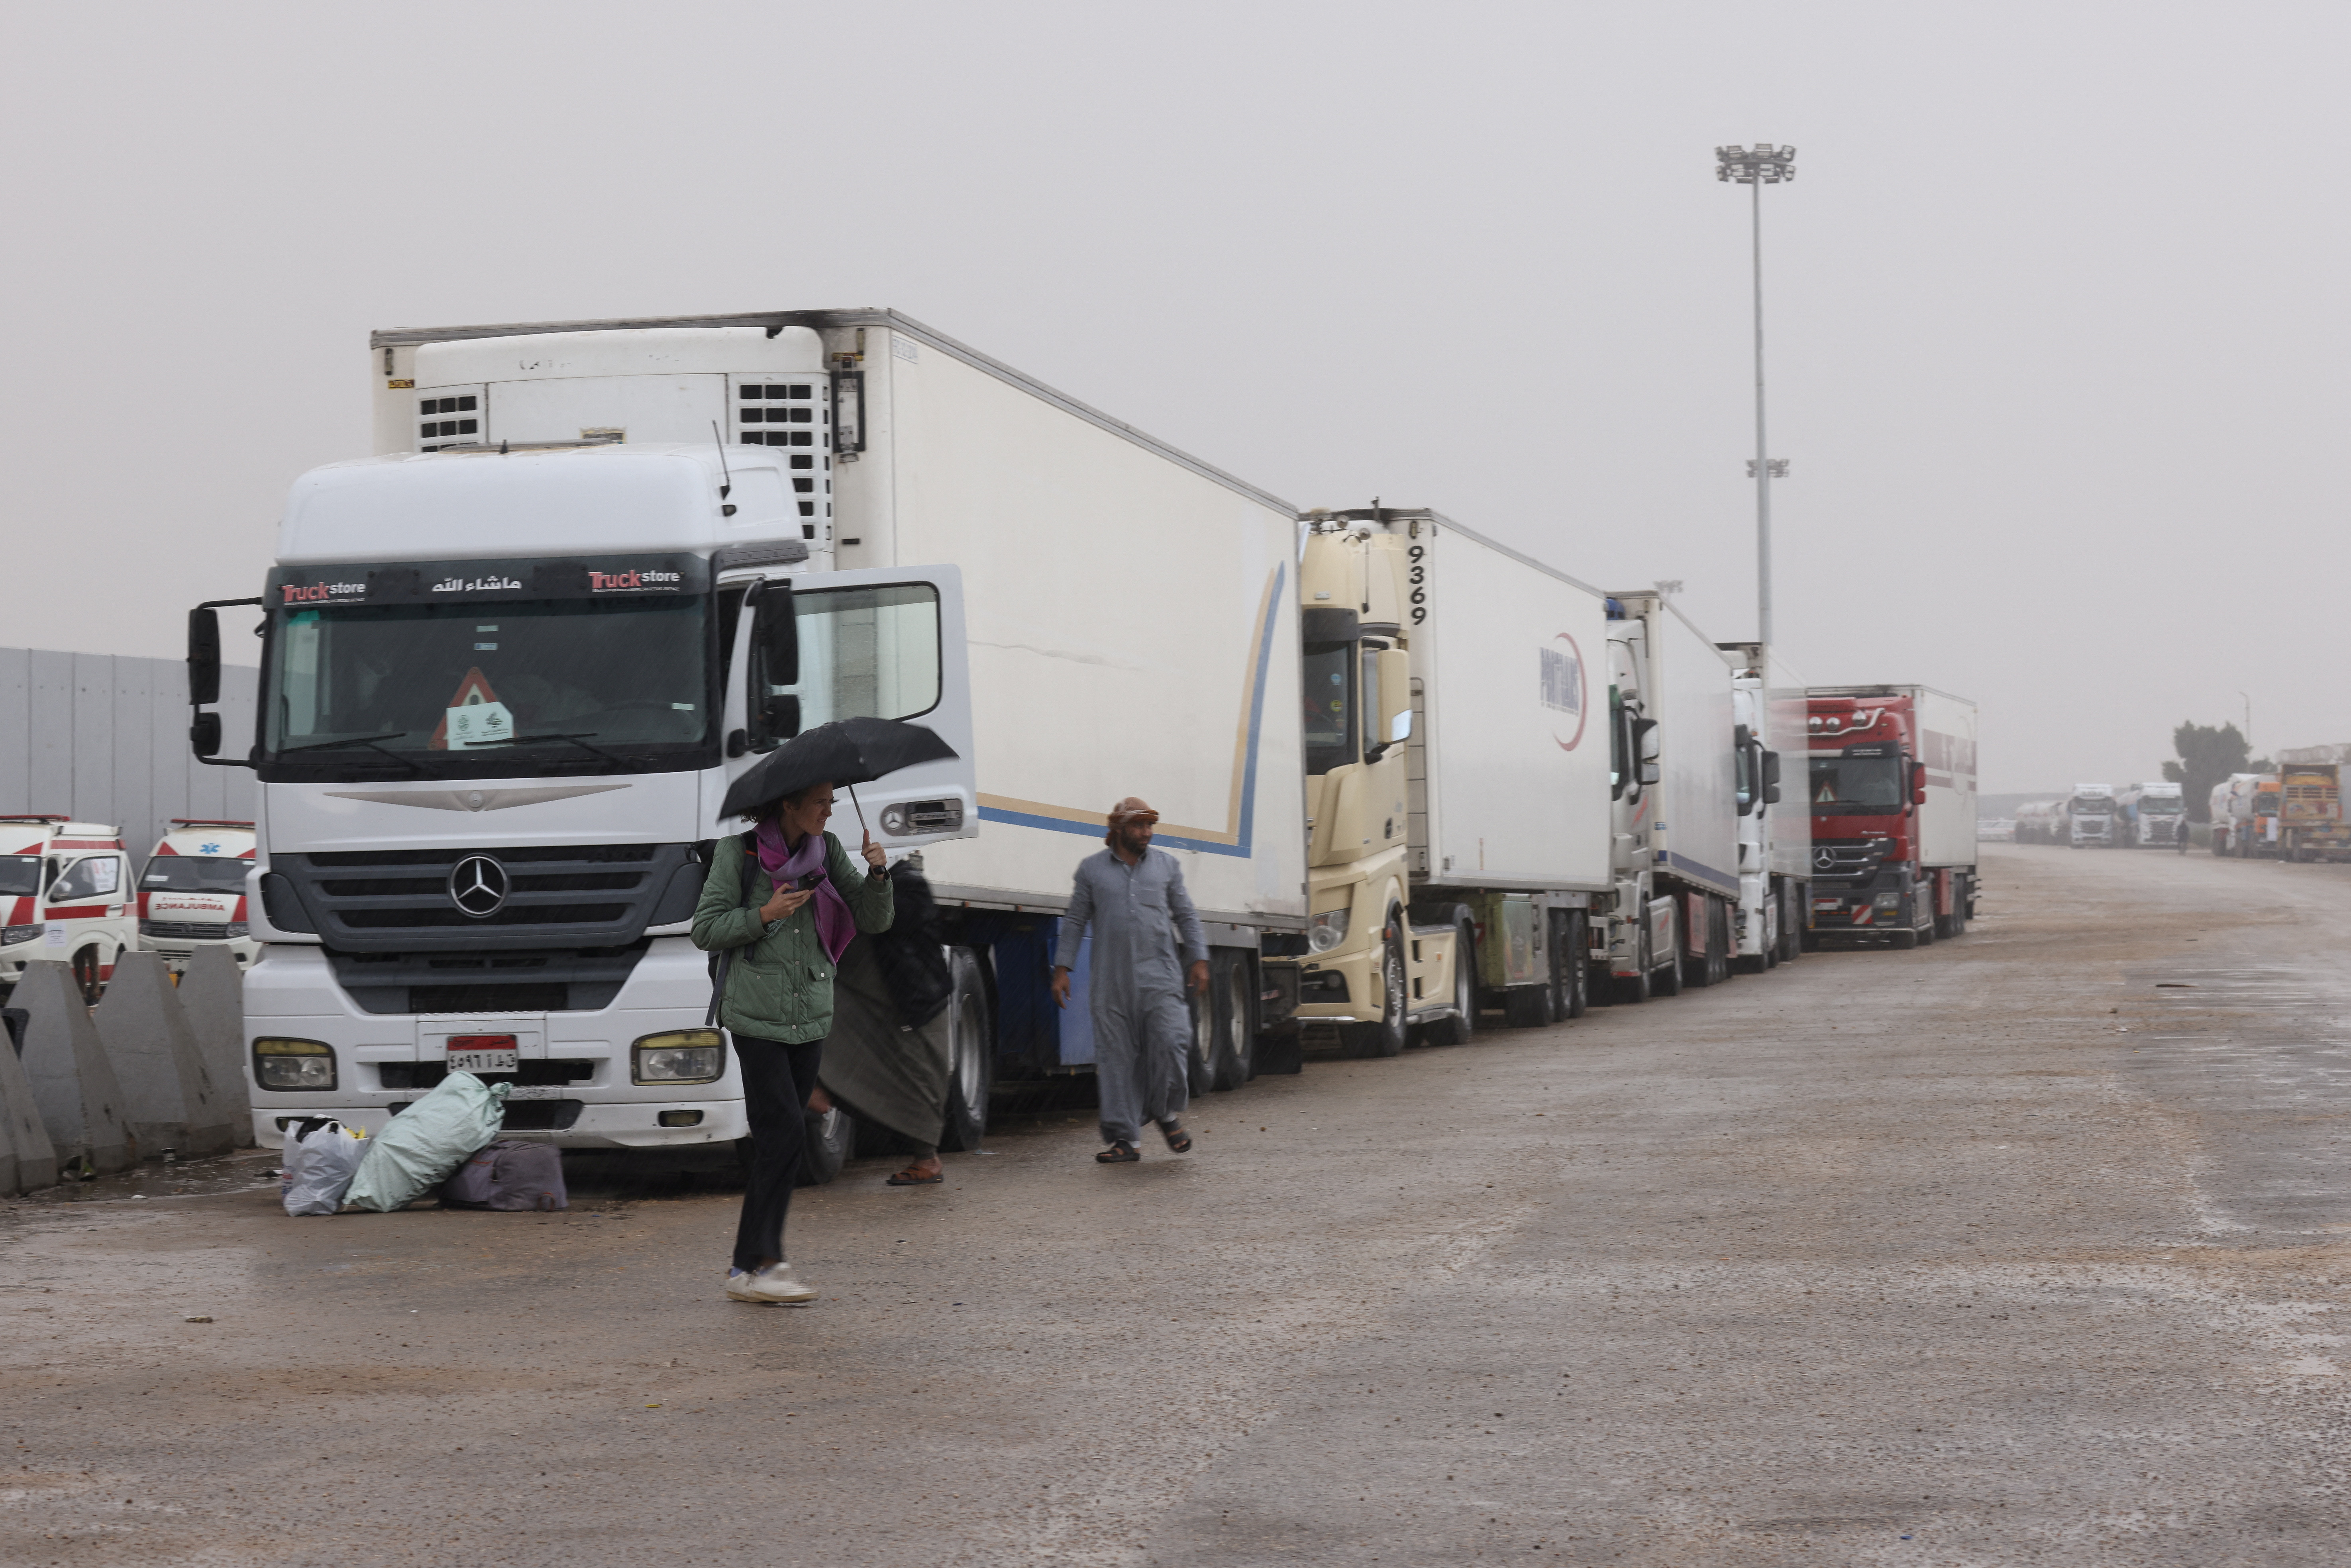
567	895
1847	861
543	980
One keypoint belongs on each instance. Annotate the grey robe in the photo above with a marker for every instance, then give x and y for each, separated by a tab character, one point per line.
1146	931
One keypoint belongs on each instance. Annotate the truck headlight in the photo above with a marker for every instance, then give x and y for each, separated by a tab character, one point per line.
293	1065
678	1056
1888	901
233	930
1327	931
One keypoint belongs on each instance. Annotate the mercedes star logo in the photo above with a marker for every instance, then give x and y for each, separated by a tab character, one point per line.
478	887
1823	858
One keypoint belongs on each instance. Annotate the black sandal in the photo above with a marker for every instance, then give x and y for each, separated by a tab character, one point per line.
910	1177
1178	1140
1118	1154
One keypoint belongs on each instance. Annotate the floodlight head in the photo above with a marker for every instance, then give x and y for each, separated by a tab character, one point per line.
1763	164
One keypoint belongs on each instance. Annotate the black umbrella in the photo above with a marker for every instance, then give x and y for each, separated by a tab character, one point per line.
846	751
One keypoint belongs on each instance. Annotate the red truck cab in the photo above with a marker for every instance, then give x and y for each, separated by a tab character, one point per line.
1881	783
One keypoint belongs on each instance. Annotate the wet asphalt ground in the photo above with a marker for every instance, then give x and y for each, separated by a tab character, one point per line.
2029	1248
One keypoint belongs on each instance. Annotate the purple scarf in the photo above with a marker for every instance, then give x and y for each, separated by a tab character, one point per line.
835	927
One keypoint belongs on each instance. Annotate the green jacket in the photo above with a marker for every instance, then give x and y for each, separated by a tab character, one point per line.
779	987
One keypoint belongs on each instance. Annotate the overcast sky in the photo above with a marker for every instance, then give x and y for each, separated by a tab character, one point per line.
2056	302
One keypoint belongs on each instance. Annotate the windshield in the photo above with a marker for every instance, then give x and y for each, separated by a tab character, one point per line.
1329	678
20	874
2091	806
1856	786
196	873
2163	806
519	686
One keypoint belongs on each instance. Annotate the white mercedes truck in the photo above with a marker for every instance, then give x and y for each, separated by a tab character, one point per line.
512	661
1456	757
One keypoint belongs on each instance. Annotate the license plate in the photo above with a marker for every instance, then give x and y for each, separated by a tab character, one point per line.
483	1053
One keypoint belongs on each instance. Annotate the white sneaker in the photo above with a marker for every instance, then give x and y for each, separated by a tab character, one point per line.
771	1285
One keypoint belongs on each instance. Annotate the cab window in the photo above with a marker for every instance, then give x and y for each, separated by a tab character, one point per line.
98	876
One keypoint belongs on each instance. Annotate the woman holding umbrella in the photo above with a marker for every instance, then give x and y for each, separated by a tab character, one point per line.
783	899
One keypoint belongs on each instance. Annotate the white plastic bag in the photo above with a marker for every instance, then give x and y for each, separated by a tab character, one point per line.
421	1147
322	1156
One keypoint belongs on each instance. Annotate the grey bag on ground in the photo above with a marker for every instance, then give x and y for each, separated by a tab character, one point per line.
419	1148
509	1176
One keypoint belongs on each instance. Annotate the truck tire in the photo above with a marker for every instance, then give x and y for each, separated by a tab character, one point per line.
830	1135
1457	1029
1236	1020
1705	969
1905	940
1200	1061
1385	1038
1567	965
971	1055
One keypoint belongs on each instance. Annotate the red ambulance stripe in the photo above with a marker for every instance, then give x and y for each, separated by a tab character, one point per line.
80	912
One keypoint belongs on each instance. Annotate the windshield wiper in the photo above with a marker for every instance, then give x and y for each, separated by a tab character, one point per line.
376	742
579	740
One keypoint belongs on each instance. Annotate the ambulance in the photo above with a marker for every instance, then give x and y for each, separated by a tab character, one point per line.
192	894
65	887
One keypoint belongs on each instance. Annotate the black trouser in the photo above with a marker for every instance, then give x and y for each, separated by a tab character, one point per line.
778	1079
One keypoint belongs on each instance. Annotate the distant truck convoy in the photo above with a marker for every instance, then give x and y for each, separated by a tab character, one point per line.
2151	816
2244	814
1892	792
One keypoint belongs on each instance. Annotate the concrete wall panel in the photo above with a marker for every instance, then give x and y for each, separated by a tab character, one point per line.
169	1097
74	1086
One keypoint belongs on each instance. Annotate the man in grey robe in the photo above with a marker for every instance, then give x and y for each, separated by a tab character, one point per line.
1147	933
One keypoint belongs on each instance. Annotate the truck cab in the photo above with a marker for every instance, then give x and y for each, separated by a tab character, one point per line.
66	889
504	689
2093	815
192	894
1368	970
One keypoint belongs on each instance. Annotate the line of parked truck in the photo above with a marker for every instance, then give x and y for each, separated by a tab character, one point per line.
1422	784
2138	816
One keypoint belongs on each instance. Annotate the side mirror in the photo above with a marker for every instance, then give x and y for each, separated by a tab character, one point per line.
1749	787
1395	697
1918	783
1771	778
203	664
1647	747
1650	773
779	717
204	732
776	635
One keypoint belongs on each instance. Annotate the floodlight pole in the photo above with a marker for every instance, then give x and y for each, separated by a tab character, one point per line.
1766	165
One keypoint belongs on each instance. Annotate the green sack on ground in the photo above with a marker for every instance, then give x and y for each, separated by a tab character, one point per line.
419	1148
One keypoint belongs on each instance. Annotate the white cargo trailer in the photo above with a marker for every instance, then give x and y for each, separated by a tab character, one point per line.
1677	820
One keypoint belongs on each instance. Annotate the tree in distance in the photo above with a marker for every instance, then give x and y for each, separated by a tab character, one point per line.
2208	754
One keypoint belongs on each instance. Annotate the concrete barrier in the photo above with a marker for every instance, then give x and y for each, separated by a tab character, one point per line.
27	1158
169	1097
74	1088
211	993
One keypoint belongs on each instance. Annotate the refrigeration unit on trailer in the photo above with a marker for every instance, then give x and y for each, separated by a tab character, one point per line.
2150	815
2091	816
1775	827
66	887
1893	792
1674	768
513	663
193	895
1457	783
